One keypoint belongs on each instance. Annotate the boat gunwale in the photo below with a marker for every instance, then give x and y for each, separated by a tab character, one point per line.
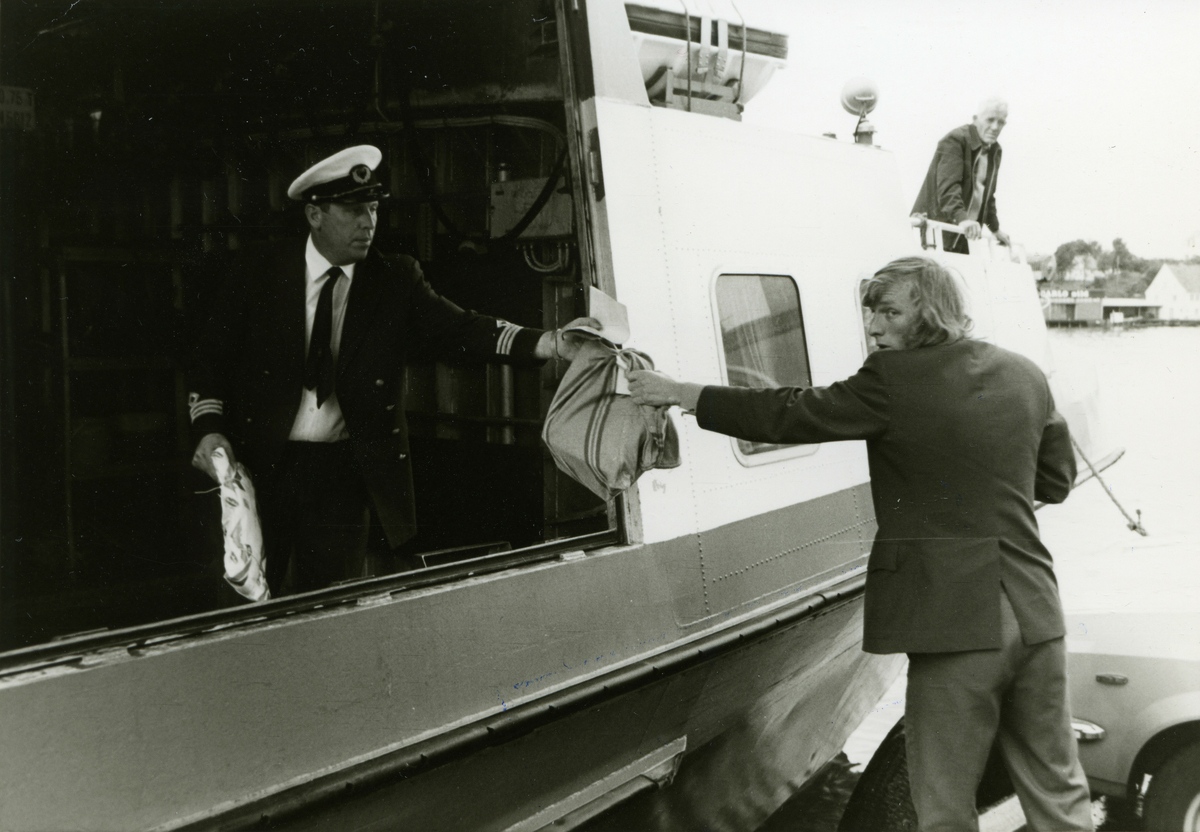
75	650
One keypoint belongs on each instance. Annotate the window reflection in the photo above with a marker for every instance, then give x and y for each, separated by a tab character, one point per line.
762	332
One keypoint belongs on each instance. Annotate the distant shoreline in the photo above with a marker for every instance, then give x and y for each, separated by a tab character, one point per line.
1131	324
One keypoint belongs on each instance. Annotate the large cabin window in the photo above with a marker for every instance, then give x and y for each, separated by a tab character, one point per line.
762	332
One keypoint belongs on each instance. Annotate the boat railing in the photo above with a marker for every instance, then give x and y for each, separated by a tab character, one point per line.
931	234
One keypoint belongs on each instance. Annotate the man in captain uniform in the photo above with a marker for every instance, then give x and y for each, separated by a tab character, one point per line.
962	437
299	370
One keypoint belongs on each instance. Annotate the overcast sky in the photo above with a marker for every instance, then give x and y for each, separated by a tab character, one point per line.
1103	136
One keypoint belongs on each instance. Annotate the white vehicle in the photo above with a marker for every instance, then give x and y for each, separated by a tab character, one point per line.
692	646
1135	696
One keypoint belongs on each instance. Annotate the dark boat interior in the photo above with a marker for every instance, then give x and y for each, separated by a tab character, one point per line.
144	144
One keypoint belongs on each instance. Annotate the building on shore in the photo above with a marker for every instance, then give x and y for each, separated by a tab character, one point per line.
1176	288
1077	308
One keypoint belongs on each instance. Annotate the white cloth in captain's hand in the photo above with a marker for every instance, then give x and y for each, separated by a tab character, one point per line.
601	438
245	566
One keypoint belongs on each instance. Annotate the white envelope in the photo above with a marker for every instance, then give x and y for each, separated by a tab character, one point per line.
612	315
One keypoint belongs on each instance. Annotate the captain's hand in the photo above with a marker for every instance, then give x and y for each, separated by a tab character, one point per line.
970	228
202	459
1003	238
653	388
565	344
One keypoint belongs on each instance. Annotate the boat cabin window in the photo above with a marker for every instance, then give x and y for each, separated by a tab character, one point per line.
153	160
762	332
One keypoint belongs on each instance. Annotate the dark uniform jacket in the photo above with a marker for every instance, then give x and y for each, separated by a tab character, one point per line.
248	366
961	439
946	192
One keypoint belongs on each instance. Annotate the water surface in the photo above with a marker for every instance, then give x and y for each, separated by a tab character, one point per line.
1150	388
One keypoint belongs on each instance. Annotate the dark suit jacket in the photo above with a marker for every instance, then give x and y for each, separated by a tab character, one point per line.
961	439
946	192
248	365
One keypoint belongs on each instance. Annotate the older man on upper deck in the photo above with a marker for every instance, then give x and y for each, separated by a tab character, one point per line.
960	187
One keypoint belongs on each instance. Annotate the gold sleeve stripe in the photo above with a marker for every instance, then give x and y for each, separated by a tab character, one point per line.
203	407
507	336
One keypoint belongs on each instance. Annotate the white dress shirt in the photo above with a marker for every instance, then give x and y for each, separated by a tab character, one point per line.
324	423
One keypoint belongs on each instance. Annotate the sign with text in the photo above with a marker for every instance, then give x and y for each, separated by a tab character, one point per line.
16	108
1064	293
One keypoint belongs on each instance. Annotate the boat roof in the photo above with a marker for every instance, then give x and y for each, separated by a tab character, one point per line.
650	18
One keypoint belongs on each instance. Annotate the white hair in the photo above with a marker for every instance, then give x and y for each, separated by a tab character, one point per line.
990	102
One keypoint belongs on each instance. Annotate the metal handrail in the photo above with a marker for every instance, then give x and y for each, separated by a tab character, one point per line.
930	239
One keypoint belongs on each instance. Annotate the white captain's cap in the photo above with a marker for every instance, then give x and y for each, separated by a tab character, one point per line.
347	176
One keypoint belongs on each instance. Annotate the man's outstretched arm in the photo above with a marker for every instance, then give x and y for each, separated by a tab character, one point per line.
1056	461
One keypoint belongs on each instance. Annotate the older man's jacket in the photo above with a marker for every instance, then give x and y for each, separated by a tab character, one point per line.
961	439
248	364
945	194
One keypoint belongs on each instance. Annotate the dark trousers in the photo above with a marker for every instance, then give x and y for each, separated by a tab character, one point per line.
956	243
315	517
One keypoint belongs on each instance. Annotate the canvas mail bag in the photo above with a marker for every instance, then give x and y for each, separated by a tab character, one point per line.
602	438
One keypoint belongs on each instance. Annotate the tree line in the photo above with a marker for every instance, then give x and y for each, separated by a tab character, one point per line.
1123	273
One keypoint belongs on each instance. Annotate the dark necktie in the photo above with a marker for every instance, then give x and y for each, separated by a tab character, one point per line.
318	370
